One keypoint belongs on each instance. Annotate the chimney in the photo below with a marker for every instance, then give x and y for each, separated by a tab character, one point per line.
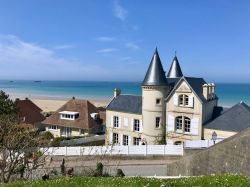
205	91
26	98
213	90
117	92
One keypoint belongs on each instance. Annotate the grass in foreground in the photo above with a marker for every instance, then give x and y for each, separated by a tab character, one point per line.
210	181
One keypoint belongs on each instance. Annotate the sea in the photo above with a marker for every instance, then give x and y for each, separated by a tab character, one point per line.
229	93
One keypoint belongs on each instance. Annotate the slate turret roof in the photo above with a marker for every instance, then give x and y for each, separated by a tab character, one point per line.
155	75
175	69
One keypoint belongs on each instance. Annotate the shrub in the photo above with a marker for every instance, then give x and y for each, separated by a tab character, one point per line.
48	135
56	141
99	170
63	168
119	173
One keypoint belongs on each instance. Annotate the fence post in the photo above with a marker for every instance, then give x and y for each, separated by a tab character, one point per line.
146	147
66	151
164	152
128	149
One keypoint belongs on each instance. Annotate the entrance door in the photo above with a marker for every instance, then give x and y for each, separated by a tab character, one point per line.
66	131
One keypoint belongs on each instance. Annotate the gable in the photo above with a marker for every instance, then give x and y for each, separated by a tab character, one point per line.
183	87
192	83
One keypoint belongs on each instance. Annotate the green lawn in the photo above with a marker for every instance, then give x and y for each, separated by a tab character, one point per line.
213	181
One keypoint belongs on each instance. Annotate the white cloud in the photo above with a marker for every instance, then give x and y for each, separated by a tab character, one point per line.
132	45
126	58
64	46
105	39
23	60
120	12
107	50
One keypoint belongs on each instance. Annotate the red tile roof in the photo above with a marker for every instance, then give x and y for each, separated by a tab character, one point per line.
29	112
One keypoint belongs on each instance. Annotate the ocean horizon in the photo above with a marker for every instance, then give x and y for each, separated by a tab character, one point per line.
229	93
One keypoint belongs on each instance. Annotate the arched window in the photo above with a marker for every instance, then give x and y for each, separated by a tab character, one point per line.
187	124
179	123
183	100
182	124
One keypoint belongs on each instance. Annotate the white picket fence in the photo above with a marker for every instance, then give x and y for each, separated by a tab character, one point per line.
175	150
197	144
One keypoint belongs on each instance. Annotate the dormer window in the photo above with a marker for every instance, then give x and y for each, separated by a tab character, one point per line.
183	100
69	115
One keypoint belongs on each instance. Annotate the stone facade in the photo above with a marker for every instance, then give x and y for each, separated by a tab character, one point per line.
173	109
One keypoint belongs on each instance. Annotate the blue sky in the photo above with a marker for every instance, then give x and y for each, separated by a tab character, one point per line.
113	40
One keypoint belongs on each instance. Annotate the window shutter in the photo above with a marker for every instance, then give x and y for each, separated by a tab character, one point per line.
195	126
175	99
191	101
125	122
129	140
170	123
111	138
112	121
141	126
121	139
132	124
120	122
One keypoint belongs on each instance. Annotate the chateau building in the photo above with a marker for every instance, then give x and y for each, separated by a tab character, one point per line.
172	108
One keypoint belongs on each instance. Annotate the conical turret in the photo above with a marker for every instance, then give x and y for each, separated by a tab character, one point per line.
175	69
155	75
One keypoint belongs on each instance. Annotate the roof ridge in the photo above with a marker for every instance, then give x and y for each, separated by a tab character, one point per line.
242	103
230	109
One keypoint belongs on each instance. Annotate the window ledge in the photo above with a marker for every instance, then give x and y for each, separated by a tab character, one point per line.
179	131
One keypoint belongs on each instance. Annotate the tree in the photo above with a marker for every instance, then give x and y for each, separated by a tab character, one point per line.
19	148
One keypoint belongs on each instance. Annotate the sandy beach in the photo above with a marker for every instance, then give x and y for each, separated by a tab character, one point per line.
50	104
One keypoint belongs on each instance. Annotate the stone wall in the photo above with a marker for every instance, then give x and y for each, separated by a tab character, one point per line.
229	156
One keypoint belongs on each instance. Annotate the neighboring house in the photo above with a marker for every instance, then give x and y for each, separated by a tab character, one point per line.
172	108
75	118
229	123
30	115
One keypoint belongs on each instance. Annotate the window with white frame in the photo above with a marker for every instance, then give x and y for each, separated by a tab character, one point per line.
115	138
136	125
183	124
53	127
116	121
69	115
187	124
183	100
125	140
178	124
157	122
136	141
